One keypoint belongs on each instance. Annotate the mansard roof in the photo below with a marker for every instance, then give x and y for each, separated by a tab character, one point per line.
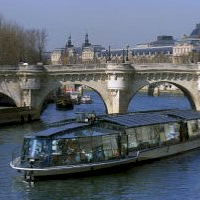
189	41
162	40
196	32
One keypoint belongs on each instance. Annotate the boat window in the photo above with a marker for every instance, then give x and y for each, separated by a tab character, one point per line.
114	141
110	146
153	134
56	147
124	144
78	150
106	146
143	135
86	143
193	127
34	148
161	128
139	137
131	138
172	131
96	141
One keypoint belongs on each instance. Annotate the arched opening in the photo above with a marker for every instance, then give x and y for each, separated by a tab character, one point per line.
159	96
50	111
6	101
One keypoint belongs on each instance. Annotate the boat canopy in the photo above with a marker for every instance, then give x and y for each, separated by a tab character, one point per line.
151	118
56	130
90	131
184	114
128	120
139	119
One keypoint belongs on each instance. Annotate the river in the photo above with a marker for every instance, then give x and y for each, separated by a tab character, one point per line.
173	178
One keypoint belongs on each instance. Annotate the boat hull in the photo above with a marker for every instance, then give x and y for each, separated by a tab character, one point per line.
49	172
168	150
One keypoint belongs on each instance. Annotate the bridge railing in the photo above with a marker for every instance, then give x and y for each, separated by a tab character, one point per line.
76	67
166	66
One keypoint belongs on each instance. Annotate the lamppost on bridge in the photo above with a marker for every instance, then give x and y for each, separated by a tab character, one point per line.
127	47
106	55
109	59
123	56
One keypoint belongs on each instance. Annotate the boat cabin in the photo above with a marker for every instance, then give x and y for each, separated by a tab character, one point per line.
108	137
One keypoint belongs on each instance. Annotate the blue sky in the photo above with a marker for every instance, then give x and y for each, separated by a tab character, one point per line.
108	22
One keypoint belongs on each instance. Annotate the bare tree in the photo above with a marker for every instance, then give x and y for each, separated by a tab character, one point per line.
17	44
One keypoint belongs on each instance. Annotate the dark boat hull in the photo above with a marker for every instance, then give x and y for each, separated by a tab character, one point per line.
65	107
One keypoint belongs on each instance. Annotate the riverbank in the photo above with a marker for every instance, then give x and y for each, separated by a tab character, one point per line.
17	115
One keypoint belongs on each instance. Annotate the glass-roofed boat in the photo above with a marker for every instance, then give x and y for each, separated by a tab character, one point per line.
92	143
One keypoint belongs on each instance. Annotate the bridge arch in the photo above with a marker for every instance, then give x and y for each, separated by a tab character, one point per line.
186	89
7	101
57	84
100	96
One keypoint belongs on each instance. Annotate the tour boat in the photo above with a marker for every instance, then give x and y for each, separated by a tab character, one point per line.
64	102
94	144
86	99
75	97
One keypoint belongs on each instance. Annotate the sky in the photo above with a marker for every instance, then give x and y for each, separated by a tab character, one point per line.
115	23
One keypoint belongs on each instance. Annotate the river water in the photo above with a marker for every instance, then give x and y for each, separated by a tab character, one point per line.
173	178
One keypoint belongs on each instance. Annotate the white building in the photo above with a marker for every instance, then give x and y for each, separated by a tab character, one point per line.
56	57
187	45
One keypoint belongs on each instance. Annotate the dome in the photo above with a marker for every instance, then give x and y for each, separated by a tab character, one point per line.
196	32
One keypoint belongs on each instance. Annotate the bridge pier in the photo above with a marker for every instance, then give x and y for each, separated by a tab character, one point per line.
117	102
119	77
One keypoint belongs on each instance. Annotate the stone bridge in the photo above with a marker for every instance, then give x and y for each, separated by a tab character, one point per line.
29	85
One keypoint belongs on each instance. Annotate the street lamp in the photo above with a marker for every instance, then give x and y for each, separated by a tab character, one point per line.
106	55
123	55
109	59
127	52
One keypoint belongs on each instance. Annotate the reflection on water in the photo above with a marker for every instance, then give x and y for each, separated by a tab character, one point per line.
173	178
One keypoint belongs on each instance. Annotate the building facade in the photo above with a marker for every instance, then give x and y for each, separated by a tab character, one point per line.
56	56
158	51
152	52
187	50
163	50
88	53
